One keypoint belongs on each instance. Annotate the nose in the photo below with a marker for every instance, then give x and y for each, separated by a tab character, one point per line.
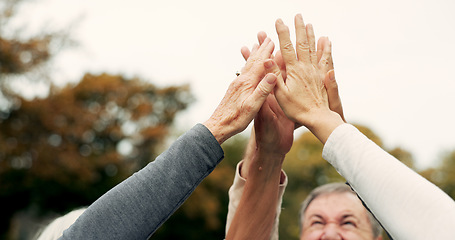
331	232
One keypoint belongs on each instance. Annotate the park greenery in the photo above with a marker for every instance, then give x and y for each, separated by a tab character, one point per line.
64	150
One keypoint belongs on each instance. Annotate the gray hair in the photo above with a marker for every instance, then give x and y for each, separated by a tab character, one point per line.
55	229
336	188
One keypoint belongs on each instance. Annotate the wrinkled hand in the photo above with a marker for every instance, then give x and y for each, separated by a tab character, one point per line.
272	135
302	94
303	90
245	95
273	129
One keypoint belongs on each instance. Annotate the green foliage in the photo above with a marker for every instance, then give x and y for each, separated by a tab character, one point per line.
443	175
25	55
68	149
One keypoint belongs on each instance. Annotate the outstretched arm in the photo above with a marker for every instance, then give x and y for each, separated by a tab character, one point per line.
135	208
272	136
407	205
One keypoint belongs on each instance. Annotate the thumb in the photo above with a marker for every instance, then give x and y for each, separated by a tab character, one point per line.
263	89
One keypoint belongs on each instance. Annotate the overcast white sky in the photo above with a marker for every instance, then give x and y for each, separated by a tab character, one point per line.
393	59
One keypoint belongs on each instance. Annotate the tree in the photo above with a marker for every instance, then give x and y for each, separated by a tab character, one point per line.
22	55
66	150
443	174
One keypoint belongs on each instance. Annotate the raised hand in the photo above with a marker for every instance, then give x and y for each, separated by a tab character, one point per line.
245	95
272	135
302	94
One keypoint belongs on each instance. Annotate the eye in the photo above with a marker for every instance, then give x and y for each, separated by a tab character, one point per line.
316	223
349	223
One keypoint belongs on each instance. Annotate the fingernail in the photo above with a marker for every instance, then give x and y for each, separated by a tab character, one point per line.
271	78
268	64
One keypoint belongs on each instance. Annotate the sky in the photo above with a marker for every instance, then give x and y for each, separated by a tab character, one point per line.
393	59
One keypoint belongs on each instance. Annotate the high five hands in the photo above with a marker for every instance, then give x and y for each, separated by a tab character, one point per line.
301	78
306	88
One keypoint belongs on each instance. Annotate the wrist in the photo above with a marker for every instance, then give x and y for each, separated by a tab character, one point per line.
265	165
322	123
220	132
261	161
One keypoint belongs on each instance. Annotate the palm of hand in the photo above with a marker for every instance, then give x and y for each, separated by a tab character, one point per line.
273	130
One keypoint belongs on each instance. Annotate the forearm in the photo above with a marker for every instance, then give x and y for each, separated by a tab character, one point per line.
257	211
407	205
135	208
236	192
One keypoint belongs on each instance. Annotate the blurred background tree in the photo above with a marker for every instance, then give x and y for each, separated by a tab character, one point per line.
25	56
67	149
443	174
64	150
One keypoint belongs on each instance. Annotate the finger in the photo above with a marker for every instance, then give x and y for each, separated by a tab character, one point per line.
325	63
255	48
330	58
245	52
331	85
275	107
249	62
272	67
267	48
322	42
255	62
320	47
263	89
279	61
287	49
312	44
302	45
261	37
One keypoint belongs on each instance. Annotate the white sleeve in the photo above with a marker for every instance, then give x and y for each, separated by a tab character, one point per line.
235	194
406	204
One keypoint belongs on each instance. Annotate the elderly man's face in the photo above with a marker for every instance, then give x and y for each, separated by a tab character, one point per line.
336	216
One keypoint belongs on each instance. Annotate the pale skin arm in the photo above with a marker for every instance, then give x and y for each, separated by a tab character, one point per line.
245	95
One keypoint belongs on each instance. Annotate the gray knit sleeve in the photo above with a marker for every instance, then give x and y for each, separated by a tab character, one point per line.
135	208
